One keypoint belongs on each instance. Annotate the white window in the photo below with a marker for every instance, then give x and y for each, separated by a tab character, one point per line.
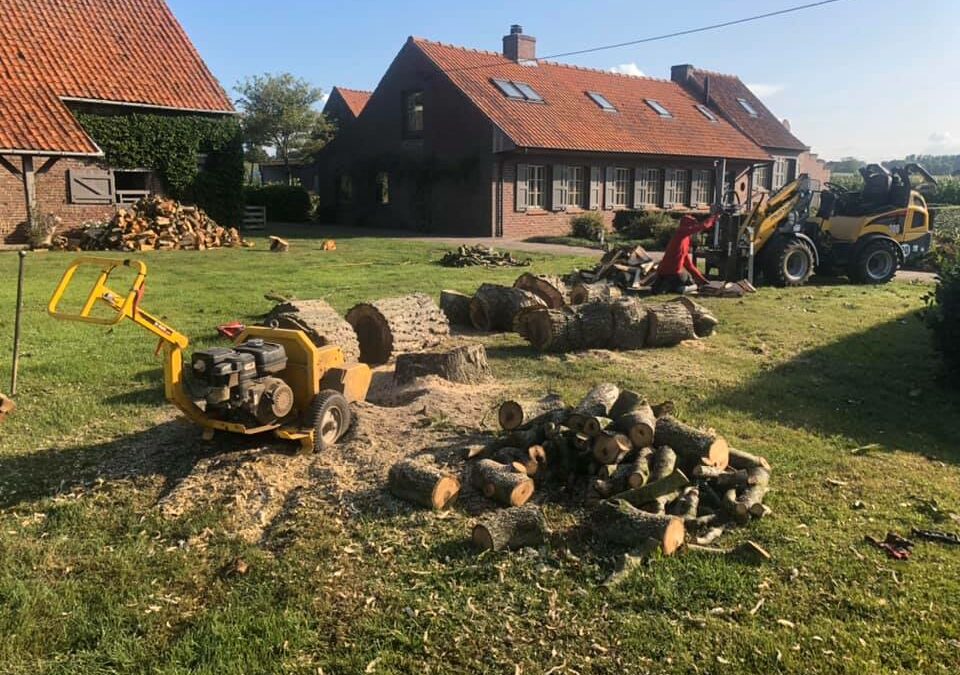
601	101
745	104
681	187
621	187
536	181
761	178
651	187
781	171
701	192
706	112
575	186
658	108
517	90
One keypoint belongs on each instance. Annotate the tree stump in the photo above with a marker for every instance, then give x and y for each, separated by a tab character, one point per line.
620	523
321	323
550	289
630	324
418	480
511	529
599	291
494	307
515	414
410	323
502	483
668	325
704	322
456	307
692	446
465	364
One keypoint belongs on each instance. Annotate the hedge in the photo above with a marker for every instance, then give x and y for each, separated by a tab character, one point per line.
285	203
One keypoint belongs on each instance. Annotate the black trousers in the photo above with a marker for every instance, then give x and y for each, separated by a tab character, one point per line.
673	283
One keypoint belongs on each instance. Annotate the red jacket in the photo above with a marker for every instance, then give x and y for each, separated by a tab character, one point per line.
677	256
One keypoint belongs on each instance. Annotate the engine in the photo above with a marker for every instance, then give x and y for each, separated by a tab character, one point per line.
242	381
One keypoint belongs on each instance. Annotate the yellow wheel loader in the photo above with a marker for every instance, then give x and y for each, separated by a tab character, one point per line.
272	380
802	229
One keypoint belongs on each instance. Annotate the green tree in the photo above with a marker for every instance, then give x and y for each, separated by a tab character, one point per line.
278	111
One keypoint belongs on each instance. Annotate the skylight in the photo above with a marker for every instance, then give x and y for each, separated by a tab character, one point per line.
520	91
707	112
601	101
658	107
745	104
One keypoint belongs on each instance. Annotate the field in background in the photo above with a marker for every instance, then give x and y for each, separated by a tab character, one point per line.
834	384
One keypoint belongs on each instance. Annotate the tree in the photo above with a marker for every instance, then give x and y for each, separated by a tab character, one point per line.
278	111
253	155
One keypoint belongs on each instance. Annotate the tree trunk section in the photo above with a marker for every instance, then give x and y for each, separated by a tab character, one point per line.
639	424
668	325
514	414
551	290
704	322
321	323
610	448
466	364
587	326
620	523
598	401
652	491
456	307
744	460
631	324
754	494
502	483
417	480
511	529
663	462
410	323
686	506
531	459
494	307
600	291
692	445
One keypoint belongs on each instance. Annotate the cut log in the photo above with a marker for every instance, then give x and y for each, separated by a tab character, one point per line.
410	323
511	529
610	449
594	426
551	290
620	523
754	494
744	460
631	324
7	407
514	414
662	463
692	446
668	325
420	481
704	323
587	326
740	478
531	459
494	307
687	504
639	473
650	492
321	323
502	483
466	364
278	245
598	401
626	401
456	307
596	292
639	424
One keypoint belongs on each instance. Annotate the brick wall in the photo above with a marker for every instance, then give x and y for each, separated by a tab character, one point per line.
52	197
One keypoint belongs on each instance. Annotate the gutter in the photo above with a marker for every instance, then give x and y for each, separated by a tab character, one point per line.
52	153
72	99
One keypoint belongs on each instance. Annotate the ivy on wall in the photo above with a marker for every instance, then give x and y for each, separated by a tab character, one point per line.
173	145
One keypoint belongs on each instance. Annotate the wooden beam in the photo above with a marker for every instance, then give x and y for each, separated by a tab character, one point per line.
29	187
9	167
47	165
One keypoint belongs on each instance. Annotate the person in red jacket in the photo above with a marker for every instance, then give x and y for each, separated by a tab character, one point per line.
677	271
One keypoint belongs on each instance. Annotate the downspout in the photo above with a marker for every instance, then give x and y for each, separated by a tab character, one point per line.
498	216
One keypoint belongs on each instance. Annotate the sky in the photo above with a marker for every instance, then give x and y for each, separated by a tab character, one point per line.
875	79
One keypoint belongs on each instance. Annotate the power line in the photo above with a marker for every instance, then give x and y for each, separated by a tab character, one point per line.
655	38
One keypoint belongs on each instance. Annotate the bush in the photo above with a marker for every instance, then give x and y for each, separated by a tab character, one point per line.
642	224
588	225
664	231
942	316
285	203
948	191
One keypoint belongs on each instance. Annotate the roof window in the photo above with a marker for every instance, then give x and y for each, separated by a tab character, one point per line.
658	108
706	112
519	91
528	92
745	104
601	101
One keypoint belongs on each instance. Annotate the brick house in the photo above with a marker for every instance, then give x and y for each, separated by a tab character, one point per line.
106	57
482	143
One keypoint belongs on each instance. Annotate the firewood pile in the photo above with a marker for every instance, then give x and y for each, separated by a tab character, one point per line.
155	223
640	478
624	267
481	256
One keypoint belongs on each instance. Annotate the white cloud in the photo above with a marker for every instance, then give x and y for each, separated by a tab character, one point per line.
631	69
943	138
765	90
324	98
942	143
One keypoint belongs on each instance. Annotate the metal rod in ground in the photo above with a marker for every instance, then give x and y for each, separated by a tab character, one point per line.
16	325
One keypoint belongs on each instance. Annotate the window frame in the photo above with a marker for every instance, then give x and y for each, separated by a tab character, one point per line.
658	108
703	180
572	170
748	107
504	87
766	173
532	178
706	112
529	93
383	188
411	115
621	178
602	101
656	185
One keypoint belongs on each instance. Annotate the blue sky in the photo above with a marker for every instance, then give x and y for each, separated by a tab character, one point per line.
871	78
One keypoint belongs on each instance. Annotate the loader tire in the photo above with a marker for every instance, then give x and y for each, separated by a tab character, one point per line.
877	263
789	263
329	417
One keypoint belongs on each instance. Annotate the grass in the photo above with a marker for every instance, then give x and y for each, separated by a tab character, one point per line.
92	580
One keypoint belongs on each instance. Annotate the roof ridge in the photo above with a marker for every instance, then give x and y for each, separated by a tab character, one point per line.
355	91
716	72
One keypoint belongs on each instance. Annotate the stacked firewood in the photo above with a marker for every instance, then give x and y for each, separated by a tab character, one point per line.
155	223
647	479
623	267
481	256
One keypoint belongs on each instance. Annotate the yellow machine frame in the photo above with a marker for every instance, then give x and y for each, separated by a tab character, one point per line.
310	369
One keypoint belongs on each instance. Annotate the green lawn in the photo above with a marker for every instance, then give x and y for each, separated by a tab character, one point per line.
93	580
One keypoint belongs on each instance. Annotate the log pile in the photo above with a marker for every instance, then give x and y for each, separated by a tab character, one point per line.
6	407
624	267
157	224
410	323
319	321
481	256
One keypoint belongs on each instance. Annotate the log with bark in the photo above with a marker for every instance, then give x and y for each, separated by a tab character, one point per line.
494	307
620	523
668	325
465	363
532	459
655	489
752	496
279	245
610	449
704	323
514	414
639	423
551	290
421	481
502	482
410	323
744	460
511	528
692	446
598	401
594	292
456	307
321	323
588	326
631	324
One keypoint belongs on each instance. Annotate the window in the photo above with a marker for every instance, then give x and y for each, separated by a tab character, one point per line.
745	104
413	113
706	112
621	187
701	189
383	188
575	192
131	185
601	101
651	187
536	182
528	92
681	178
761	177
520	91
658	108
784	169
507	89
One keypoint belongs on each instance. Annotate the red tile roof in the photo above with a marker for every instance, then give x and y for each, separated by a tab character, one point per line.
569	120
765	129
117	51
355	99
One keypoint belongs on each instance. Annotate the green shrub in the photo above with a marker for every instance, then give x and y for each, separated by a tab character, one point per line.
948	191
589	225
642	224
285	203
664	231
942	315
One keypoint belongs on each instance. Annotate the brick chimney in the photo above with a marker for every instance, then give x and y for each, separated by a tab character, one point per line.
519	47
681	74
